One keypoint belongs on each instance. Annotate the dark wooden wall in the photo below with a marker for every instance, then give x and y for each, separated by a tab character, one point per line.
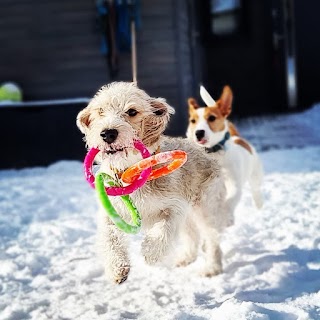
39	136
164	62
183	55
51	48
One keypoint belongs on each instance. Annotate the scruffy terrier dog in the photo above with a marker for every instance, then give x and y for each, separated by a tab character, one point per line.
210	128
189	201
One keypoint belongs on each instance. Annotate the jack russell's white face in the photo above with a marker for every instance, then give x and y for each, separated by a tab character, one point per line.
206	126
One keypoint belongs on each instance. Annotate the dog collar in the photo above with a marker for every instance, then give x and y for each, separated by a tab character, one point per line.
220	145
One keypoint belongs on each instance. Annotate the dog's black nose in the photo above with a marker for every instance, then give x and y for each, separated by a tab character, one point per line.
200	134
109	136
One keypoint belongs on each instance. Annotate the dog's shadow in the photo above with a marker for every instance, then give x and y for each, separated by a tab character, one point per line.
290	273
302	275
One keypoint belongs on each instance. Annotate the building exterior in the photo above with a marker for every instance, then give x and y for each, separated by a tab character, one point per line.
267	51
52	49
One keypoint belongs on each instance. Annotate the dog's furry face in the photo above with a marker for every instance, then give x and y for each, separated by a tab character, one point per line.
207	125
118	114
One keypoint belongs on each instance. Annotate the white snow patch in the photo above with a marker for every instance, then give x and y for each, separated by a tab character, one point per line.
49	269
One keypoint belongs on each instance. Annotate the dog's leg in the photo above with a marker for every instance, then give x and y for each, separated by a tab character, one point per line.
234	193
190	241
212	251
112	246
255	181
213	254
160	236
212	219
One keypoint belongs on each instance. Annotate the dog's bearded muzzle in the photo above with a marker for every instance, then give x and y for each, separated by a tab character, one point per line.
116	149
109	136
111	140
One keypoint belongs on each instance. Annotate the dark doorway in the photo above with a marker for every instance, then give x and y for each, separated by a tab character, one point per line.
246	44
307	30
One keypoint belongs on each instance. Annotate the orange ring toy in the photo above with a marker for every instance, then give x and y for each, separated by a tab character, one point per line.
177	158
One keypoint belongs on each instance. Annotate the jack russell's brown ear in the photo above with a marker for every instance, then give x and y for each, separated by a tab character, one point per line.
225	101
193	104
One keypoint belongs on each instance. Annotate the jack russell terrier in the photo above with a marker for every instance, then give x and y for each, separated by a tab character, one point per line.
210	129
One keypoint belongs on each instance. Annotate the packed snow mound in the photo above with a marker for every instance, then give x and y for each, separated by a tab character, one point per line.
285	131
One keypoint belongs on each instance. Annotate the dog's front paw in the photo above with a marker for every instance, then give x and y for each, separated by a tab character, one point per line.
258	200
210	272
186	260
120	272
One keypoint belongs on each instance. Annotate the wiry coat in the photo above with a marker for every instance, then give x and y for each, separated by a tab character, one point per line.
190	201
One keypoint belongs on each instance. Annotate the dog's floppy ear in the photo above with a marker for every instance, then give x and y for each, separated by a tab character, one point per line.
83	119
155	123
193	104
225	101
161	107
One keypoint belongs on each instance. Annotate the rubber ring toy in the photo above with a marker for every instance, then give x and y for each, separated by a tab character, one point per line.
117	190
177	158
103	178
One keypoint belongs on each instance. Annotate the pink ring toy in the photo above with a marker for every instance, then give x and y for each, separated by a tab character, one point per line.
118	191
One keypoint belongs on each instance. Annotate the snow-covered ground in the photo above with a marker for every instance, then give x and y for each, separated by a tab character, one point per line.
49	270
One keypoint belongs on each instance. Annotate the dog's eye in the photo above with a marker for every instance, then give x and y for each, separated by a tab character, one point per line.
132	112
159	112
211	118
100	111
193	121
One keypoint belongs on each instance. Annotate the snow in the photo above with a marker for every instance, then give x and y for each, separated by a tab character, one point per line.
49	269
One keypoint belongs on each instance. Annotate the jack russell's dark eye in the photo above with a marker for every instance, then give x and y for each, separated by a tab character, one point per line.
211	118
193	121
132	112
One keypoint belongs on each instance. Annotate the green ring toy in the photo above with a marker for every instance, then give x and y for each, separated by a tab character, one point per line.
101	178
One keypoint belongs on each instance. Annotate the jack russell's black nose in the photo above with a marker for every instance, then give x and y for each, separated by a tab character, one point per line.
109	136
200	134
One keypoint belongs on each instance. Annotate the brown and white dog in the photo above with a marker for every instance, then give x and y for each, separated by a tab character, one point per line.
209	127
190	201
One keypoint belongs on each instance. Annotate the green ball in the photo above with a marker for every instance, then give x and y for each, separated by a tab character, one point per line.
10	92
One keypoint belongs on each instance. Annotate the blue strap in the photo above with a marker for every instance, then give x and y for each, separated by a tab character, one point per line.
127	10
220	145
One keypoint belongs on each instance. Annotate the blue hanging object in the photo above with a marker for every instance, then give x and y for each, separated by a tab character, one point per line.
115	19
127	11
102	9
